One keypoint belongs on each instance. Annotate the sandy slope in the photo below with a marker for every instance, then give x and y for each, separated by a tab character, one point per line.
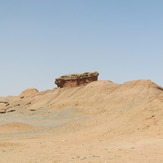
100	122
16	127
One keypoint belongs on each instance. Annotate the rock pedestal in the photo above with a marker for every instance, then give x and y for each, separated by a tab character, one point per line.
74	80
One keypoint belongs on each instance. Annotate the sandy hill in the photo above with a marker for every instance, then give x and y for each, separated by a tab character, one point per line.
132	102
99	111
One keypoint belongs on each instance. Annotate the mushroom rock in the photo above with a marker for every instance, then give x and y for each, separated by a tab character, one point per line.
74	80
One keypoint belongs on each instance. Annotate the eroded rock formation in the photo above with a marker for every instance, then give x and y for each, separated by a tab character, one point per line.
73	80
3	106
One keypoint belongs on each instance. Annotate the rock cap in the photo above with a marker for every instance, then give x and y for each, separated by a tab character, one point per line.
77	79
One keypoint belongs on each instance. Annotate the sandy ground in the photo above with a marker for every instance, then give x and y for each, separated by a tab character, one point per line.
81	148
65	142
102	122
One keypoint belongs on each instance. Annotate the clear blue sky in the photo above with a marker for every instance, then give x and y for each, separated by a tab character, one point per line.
43	39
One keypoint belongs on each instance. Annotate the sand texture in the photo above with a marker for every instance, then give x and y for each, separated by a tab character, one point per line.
102	122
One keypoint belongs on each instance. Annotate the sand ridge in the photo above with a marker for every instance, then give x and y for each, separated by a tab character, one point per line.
100	122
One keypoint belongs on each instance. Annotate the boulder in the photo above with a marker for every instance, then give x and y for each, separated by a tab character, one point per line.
4	103
74	80
2	108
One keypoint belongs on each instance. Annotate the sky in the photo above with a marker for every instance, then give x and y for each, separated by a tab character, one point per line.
41	40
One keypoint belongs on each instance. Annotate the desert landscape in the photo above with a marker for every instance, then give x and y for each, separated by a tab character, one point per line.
81	81
84	120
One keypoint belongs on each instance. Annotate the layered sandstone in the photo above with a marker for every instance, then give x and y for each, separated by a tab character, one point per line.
73	80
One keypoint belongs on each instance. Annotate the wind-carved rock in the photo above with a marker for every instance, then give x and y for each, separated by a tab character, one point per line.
74	80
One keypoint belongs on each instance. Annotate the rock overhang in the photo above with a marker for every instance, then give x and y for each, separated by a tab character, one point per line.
77	79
